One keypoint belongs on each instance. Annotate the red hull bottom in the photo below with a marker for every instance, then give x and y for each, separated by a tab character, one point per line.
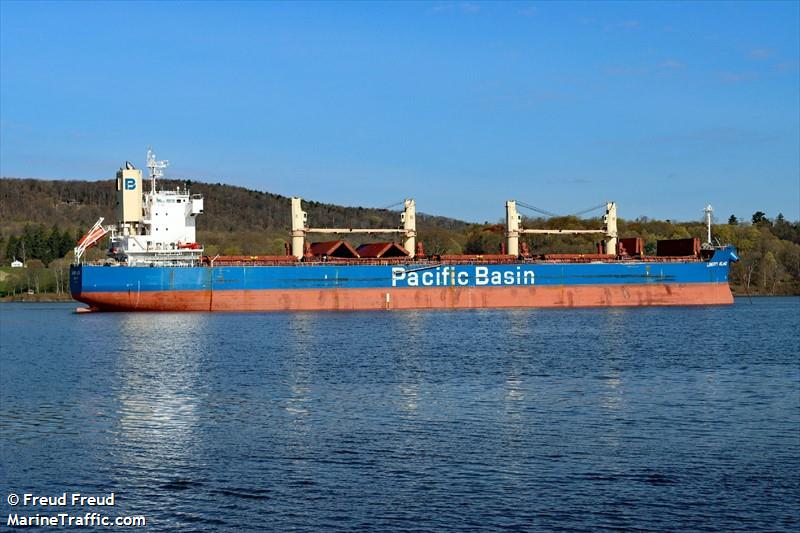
413	298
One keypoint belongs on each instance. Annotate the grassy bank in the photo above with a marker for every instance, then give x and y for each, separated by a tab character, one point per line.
41	297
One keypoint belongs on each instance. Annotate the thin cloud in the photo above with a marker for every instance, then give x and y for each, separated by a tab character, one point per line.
668	65
672	64
456	7
624	70
723	136
760	53
623	25
737	77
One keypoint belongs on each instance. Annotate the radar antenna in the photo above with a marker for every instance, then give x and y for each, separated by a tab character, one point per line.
156	168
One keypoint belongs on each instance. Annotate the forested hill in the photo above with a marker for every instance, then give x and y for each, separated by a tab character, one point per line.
235	218
227	207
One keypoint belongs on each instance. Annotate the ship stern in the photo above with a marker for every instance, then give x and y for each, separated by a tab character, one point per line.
75	281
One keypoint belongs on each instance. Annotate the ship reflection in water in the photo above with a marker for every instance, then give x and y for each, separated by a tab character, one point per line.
501	419
160	395
159	388
300	364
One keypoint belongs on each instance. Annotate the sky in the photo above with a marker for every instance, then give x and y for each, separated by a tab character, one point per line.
661	107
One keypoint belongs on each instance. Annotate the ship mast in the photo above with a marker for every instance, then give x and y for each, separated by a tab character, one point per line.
156	168
708	211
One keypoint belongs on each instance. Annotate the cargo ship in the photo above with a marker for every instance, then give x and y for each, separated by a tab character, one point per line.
155	264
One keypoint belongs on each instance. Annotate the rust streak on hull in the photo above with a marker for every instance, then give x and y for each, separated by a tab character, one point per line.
414	298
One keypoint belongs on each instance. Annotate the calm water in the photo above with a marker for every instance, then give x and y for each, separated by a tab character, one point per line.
642	419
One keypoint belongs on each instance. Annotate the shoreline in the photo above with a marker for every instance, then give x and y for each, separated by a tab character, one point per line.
37	298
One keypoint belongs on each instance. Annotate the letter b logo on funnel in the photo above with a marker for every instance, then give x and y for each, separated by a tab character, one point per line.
130	184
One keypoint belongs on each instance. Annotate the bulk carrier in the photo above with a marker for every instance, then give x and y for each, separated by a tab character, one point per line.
155	264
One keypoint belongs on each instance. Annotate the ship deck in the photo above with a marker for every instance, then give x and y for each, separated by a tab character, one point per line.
431	260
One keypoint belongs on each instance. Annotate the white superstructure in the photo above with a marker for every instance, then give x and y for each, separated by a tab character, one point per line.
155	227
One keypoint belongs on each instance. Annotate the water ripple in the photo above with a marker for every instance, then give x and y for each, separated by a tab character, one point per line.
563	420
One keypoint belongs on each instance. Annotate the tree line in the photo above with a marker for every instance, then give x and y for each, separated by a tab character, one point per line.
36	242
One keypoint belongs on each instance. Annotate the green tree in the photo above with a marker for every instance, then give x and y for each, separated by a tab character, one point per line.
13	248
27	239
785	230
733	221
482	242
39	246
759	217
67	243
439	241
53	245
769	272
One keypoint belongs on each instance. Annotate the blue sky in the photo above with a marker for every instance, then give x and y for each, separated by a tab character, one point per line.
662	107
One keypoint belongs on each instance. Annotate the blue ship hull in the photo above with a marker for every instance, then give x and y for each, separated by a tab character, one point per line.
414	284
